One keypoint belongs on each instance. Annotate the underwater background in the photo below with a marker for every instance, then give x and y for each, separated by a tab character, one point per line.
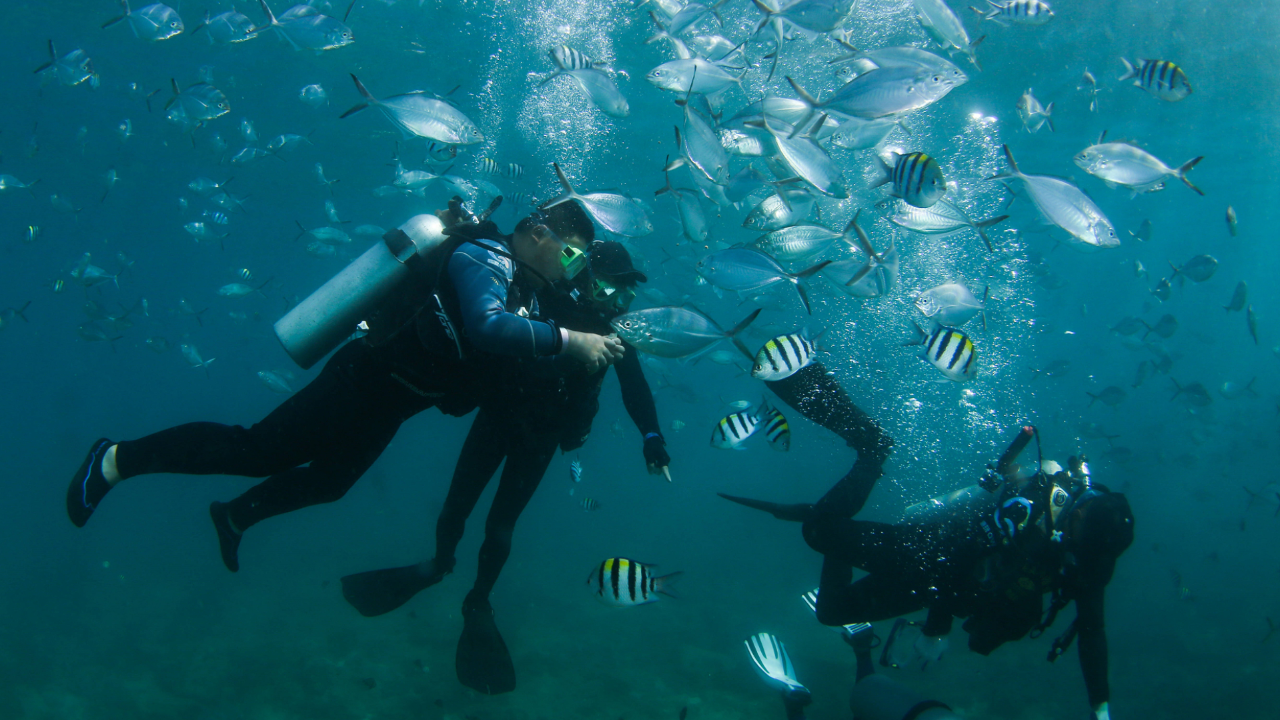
135	617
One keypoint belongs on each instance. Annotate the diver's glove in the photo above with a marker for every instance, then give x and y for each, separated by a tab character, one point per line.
1102	712
655	453
930	649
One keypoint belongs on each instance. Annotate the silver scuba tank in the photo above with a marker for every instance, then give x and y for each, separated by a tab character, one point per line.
317	325
974	498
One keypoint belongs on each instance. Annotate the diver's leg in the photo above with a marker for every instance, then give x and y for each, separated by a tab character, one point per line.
886	551
482	453
817	396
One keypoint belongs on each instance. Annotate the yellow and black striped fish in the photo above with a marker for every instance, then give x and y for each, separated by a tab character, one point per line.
734	430
625	583
783	357
1161	78
490	167
590	504
915	177
949	350
777	430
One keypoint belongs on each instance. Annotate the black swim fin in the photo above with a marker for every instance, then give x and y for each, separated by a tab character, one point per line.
799	512
483	661
377	592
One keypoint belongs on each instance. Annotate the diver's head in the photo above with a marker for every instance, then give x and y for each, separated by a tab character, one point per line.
1102	526
613	277
551	241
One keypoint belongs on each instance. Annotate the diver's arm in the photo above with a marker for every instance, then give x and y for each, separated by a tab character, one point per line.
636	396
482	279
1090	622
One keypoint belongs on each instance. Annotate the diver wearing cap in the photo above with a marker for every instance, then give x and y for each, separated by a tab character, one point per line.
474	329
1058	534
522	426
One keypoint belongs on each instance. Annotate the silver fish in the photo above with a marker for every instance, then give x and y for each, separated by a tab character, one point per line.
200	231
702	148
1110	396
946	29
248	155
9	182
950	304
192	356
1135	168
227	28
1198	269
883	92
872	279
306	27
861	134
807	160
313	95
1165	327
676	332
71	69
287	141
618	214
417	113
749	271
812	17
1252	320
781	209
1089	84
798	242
693	75
327	235
199	102
1231	221
1064	205
904	56
1192	393
602	91
943	218
275	382
1034	115
153	22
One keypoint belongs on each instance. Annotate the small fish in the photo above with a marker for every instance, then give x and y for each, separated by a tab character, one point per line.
951	304
1233	390
201	232
1089	84
1238	298
248	155
733	430
275	381
57	286
8	314
626	583
93	332
589	504
71	69
677	425
1120	163
192	356
949	350
1193	393
1064	205
1144	369
32	234
247	130
1231	220
1165	327
186	308
1143	233
1198	269
285	142
575	471
783	356
1110	396
618	214
327	235
227	28
1034	115
1055	369
9	182
323	180
237	290
417	113
314	95
315	248
157	344
1129	326
228	202
1140	270
153	22
1253	324
124	129
776	429
737	404
305	27
1163	290
198	103
915	177
204	187
1020	12
1161	78
748	271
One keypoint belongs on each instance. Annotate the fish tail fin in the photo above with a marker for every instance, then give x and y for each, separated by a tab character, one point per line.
1149	329
864	242
19	312
271	18
666	174
980	228
1013	166
986	293
114	20
569	194
1186	167
805	97
661	582
364	92
971	52
1048	117
1177	391
1129	70
918	337
1092	398
202	24
883	173
811	271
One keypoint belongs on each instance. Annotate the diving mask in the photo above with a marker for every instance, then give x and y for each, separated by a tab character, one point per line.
573	260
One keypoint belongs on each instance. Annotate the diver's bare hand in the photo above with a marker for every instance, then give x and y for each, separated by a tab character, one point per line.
594	351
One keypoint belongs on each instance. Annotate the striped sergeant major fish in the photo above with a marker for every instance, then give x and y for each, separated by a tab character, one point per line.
783	356
776	429
511	171
1021	12
626	583
1161	78
915	177
733	430
566	58
948	349
575	471
589	504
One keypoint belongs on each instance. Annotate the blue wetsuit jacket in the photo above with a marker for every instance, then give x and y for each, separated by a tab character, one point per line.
483	280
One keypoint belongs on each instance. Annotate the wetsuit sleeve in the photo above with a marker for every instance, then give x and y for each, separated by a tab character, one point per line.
636	396
482	279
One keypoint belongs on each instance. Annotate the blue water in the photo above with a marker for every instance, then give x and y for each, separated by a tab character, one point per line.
134	616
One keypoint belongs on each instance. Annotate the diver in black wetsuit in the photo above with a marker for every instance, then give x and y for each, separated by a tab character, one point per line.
479	338
523	425
1059	535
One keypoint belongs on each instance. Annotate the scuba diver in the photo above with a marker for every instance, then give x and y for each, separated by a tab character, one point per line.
465	323
990	562
523	425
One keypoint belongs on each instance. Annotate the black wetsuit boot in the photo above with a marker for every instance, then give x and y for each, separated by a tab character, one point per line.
483	661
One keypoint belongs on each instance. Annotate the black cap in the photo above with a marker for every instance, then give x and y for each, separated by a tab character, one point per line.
612	259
